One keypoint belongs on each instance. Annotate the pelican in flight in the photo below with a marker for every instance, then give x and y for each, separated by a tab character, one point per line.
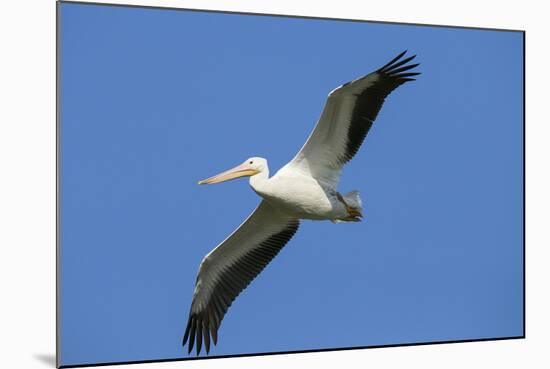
305	188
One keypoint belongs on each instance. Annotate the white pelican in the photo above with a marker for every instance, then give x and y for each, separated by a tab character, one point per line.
305	188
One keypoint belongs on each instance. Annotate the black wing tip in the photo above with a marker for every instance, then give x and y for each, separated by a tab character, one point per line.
396	66
199	339
195	333
215	336
189	334
186	334
392	61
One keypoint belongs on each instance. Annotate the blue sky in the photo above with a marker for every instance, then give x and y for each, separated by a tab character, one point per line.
154	100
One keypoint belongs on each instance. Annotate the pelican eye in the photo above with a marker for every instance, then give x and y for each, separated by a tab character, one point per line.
250	162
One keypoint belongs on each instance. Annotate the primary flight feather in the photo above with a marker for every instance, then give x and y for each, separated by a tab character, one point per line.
305	188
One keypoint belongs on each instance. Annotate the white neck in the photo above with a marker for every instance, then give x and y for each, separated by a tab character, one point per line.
258	181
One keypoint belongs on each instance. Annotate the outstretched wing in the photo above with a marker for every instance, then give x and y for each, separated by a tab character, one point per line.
231	266
346	119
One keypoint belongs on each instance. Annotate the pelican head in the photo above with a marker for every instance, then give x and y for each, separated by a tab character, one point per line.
248	168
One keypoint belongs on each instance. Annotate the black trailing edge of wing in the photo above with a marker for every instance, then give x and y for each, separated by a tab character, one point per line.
370	100
236	277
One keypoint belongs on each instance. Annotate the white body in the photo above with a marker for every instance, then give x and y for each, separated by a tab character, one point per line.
299	195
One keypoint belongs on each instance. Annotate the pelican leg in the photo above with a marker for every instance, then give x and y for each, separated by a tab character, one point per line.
354	214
